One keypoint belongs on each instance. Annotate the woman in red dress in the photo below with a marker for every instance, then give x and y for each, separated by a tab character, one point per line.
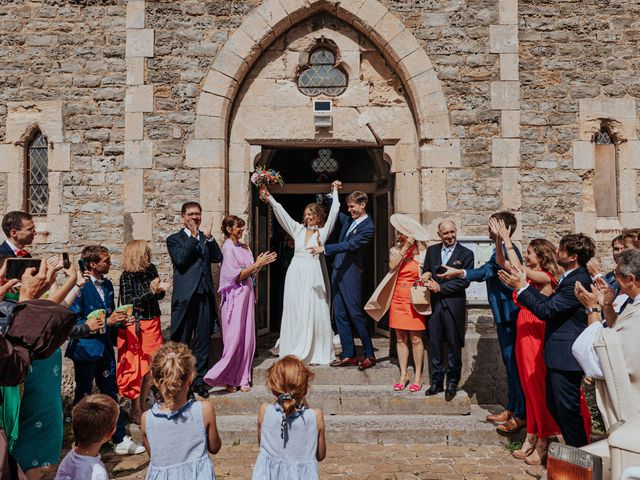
543	273
403	317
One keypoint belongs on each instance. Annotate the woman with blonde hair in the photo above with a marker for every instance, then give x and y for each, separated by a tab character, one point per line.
178	433
305	330
290	434
141	287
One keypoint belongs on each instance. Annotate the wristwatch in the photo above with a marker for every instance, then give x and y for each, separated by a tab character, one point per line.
591	310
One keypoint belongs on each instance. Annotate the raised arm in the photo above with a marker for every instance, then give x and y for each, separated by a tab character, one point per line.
289	224
333	216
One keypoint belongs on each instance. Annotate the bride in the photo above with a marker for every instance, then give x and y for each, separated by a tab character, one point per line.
305	330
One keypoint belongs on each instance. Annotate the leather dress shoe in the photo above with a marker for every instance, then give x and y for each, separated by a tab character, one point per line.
345	362
501	417
367	363
201	390
451	391
513	425
433	389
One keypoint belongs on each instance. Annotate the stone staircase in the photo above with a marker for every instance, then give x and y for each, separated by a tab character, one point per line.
361	407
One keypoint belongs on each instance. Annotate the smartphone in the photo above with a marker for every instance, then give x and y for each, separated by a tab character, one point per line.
17	266
66	263
440	269
82	266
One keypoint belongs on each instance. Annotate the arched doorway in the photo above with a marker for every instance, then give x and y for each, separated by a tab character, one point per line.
308	173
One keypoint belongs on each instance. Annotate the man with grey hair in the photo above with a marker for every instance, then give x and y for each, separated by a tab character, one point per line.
606	352
448	306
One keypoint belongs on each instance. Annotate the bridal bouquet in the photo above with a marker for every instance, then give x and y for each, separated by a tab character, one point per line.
264	177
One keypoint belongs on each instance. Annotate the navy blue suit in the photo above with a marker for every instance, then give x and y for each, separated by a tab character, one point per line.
93	357
565	320
505	314
346	283
193	304
6	250
448	314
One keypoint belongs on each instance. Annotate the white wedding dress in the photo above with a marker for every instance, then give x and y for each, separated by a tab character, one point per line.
305	330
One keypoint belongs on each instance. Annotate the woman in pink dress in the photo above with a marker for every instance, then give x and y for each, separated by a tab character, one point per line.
237	308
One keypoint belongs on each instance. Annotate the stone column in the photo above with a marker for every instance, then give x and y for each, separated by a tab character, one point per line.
138	151
505	96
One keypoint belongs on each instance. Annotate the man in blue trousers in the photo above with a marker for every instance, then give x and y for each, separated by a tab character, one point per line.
505	312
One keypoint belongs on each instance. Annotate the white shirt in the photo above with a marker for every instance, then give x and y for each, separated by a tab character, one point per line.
355	223
76	467
98	286
13	247
584	351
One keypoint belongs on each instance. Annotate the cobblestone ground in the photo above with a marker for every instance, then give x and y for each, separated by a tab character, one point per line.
357	461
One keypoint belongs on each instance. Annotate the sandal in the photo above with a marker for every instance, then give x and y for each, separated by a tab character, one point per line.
245	389
414	387
232	389
400	386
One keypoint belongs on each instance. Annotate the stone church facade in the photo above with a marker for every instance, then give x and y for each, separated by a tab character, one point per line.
113	112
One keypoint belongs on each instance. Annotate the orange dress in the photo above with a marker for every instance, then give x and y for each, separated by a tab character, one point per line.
402	315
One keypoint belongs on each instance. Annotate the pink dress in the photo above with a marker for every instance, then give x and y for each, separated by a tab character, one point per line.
237	318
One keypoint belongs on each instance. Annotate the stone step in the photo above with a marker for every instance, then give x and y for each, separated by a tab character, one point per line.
384	373
385	429
348	400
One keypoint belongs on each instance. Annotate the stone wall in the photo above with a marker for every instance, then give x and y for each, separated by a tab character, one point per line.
525	85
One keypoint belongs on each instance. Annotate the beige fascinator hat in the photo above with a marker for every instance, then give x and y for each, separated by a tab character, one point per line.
409	227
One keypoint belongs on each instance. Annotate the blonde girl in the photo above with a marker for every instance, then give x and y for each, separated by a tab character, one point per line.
178	433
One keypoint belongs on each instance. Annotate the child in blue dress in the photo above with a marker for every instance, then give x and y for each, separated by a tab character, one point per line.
291	435
178	433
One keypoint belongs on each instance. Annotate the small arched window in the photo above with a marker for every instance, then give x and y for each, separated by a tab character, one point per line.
37	175
605	180
322	76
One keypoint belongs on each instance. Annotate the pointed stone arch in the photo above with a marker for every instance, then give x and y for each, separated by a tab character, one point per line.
274	17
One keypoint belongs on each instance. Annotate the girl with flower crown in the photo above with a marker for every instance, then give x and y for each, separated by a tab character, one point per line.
290	434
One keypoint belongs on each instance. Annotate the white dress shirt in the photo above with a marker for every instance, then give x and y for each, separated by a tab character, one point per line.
188	232
13	247
584	351
98	284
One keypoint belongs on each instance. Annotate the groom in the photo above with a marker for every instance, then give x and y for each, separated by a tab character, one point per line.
346	280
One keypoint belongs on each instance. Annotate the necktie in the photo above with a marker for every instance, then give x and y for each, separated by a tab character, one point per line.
446	254
21	253
351	228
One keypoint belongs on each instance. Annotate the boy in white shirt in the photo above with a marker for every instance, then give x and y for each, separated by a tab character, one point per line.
94	421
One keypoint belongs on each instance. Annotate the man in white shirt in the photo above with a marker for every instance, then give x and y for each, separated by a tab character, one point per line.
598	348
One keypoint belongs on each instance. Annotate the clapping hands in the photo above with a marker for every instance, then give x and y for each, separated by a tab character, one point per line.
516	278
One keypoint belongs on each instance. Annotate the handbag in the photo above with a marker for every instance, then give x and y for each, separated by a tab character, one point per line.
421	298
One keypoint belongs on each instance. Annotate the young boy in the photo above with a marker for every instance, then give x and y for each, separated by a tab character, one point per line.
94	421
92	354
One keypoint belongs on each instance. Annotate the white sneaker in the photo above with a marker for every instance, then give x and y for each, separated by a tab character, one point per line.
128	447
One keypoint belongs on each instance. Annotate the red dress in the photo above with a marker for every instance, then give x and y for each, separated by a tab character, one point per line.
530	331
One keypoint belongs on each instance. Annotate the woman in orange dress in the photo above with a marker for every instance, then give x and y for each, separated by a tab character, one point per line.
543	273
407	257
141	287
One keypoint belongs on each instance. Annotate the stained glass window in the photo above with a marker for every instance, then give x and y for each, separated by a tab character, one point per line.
322	76
325	163
38	173
603	137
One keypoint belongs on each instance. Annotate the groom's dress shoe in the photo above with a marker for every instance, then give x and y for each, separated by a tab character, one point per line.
433	389
367	363
513	425
345	362
201	390
451	391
